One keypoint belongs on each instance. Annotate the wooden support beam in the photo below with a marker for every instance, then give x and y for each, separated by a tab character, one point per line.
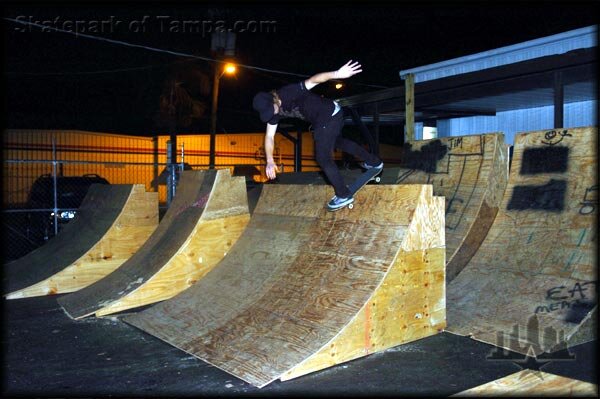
409	102
559	100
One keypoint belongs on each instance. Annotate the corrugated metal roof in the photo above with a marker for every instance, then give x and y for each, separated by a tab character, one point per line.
549	45
515	88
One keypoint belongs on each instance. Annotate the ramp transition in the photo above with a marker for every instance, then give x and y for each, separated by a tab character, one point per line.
532	284
529	383
469	171
206	217
304	289
111	224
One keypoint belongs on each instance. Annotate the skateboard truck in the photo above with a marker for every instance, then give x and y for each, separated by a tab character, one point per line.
373	174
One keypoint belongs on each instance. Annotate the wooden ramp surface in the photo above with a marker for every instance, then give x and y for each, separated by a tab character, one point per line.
532	284
469	171
304	288
530	383
111	224
205	218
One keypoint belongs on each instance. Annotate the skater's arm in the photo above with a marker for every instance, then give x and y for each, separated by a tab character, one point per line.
344	72
272	168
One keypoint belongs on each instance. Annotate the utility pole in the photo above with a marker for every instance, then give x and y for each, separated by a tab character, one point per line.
213	116
222	45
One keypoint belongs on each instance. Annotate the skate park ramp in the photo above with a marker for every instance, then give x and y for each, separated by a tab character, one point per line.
469	171
206	217
529	383
304	289
531	287
111	224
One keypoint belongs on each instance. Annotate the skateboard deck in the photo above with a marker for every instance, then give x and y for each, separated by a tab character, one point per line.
365	177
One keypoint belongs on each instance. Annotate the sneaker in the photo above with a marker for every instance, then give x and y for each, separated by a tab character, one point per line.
365	165
337	202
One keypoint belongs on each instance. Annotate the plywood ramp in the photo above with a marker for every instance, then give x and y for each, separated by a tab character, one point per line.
532	284
111	224
206	217
304	288
469	171
529	383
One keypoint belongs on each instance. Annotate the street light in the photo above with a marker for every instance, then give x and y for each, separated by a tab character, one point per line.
229	68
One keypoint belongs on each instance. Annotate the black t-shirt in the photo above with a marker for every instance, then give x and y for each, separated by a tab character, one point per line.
298	102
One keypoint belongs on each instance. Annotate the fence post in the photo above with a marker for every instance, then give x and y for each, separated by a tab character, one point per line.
171	177
155	162
182	157
54	185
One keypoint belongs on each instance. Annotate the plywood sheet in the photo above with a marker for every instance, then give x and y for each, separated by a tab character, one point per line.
530	383
296	277
469	171
111	224
532	284
207	215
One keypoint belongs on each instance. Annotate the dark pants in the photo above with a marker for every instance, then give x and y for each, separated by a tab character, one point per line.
328	136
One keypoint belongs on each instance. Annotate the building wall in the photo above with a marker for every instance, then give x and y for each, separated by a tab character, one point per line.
577	114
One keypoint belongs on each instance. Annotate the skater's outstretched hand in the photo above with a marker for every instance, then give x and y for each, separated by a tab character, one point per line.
349	69
272	170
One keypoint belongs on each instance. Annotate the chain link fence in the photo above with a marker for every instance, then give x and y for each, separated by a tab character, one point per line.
46	174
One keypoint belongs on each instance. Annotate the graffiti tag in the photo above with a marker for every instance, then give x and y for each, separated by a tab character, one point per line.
580	298
555	136
590	201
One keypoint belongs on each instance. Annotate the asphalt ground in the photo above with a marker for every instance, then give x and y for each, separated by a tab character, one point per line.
46	353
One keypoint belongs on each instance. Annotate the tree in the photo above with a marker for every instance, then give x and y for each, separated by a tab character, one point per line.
185	97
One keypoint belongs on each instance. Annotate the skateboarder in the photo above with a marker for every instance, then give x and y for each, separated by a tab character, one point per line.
297	101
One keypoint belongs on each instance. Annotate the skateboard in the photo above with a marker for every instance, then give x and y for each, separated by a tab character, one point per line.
364	178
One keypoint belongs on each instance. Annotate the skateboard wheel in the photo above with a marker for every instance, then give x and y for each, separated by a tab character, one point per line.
350	206
377	179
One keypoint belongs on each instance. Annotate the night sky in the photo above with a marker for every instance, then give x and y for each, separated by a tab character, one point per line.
61	81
